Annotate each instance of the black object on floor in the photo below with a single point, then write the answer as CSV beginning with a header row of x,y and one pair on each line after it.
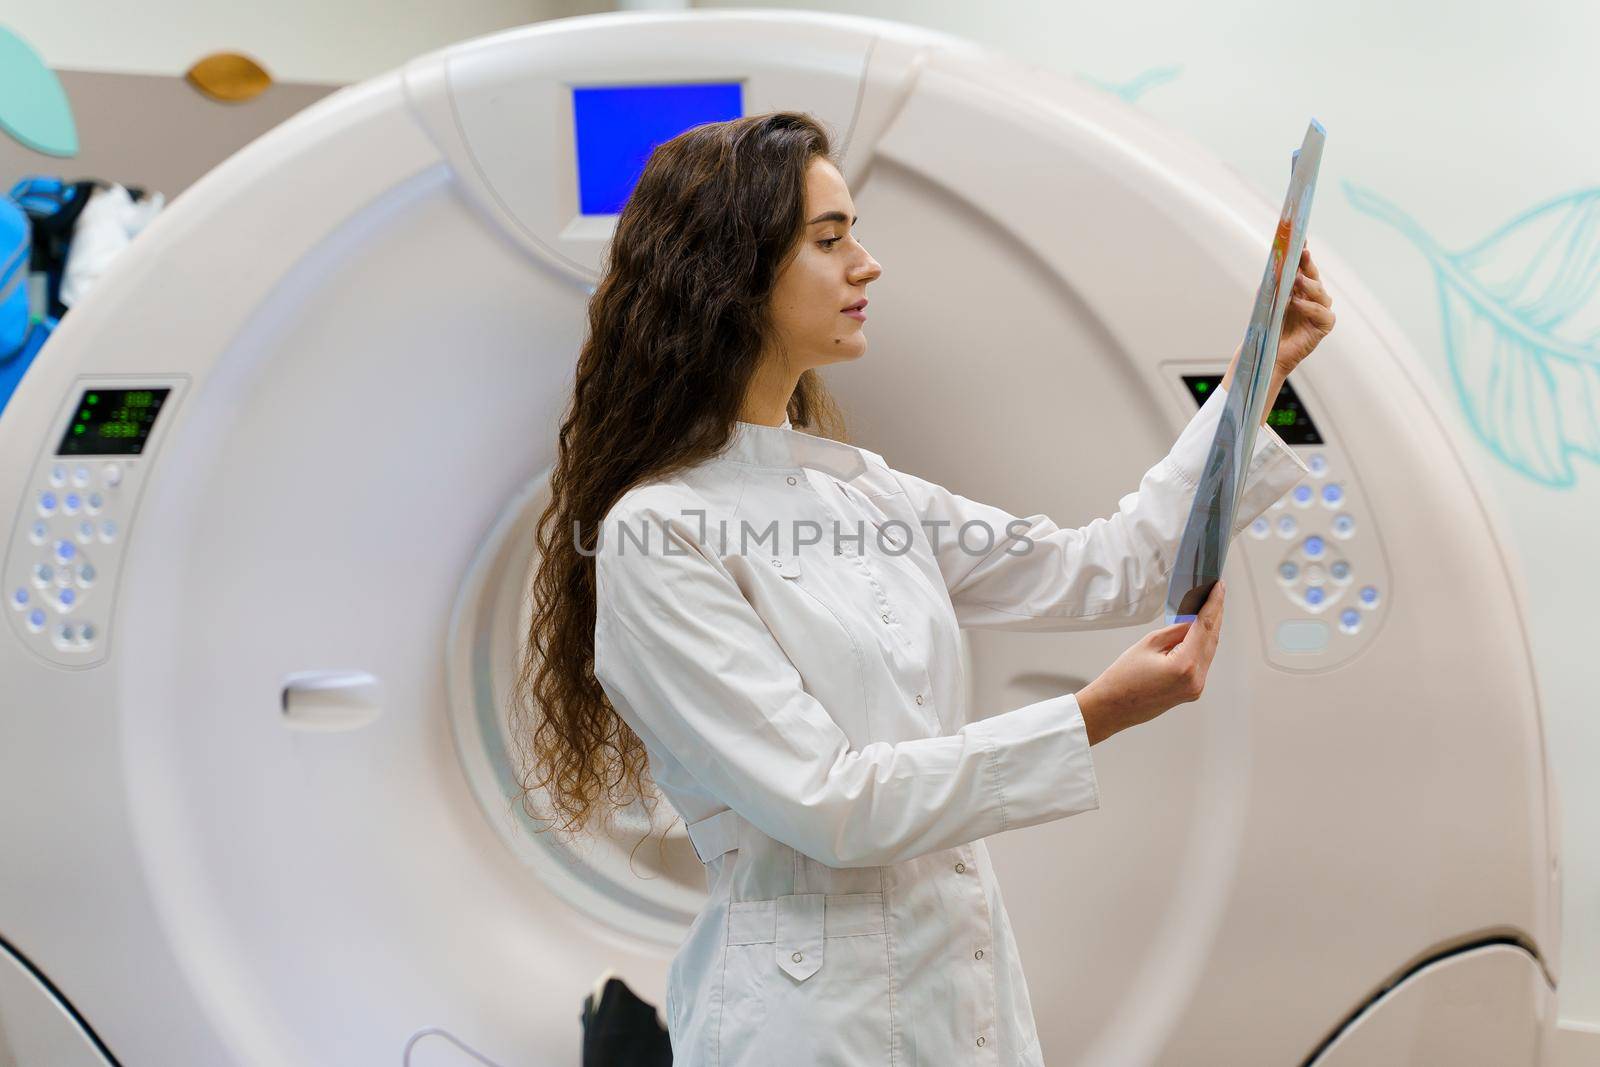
x,y
621,1030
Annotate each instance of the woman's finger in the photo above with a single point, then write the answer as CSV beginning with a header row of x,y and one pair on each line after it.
x,y
1307,264
1209,625
1168,637
1314,289
1209,612
1320,314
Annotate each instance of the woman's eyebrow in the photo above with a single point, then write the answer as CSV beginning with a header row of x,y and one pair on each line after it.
x,y
832,216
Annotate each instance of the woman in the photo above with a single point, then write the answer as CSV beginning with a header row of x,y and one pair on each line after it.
x,y
765,622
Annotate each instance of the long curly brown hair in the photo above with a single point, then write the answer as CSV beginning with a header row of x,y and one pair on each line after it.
x,y
677,328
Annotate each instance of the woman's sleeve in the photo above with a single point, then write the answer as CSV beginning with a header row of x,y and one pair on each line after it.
x,y
1112,572
689,664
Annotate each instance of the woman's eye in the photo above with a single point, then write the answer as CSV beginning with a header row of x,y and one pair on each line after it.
x,y
830,242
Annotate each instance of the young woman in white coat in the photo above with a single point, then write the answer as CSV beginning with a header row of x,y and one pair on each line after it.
x,y
761,620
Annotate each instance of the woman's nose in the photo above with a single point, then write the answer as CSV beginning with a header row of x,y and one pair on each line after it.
x,y
867,270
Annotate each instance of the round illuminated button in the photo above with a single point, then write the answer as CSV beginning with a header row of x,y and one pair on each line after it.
x,y
47,503
86,632
1332,494
58,476
65,550
19,599
43,573
1340,571
85,532
40,533
67,598
1260,528
36,619
96,502
71,503
108,531
1315,596
86,574
1313,547
1343,525
80,476
1288,570
1318,464
111,474
66,633
1369,595
1350,620
1287,526
1302,495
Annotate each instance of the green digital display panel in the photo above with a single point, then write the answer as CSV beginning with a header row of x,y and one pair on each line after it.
x,y
1288,418
112,422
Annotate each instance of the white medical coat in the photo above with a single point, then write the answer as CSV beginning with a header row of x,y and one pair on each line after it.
x,y
803,709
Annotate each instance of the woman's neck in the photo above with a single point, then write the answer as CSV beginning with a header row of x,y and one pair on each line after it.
x,y
766,401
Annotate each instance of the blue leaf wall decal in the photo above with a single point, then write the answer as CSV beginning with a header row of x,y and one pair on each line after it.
x,y
1522,329
33,105
1140,83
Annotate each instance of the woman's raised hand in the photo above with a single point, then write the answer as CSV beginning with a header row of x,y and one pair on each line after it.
x,y
1308,319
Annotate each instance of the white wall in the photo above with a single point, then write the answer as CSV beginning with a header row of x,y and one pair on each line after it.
x,y
320,41
1465,114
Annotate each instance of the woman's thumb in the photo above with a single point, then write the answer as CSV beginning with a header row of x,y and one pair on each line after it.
x,y
1168,636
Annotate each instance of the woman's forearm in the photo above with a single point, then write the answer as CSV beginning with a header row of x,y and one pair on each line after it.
x,y
1096,719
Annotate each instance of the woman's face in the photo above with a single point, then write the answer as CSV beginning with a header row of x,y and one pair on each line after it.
x,y
829,273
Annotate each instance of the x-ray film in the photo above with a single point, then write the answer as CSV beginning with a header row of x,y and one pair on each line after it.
x,y
1204,548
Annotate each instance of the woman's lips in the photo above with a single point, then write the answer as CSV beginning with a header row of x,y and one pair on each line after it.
x,y
859,316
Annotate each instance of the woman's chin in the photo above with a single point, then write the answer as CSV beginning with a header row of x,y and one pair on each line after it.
x,y
850,346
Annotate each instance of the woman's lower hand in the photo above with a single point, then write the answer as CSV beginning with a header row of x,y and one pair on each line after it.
x,y
1163,669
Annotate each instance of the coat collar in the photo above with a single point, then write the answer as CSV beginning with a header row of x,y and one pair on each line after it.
x,y
786,448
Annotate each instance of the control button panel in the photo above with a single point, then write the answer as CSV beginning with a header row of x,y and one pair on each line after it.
x,y
1318,571
1323,562
67,540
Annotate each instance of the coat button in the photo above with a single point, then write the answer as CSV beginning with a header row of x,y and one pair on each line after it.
x,y
886,616
791,479
919,698
777,563
961,868
980,1042
978,955
798,956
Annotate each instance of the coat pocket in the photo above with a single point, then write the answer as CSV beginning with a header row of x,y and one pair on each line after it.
x,y
798,934
806,980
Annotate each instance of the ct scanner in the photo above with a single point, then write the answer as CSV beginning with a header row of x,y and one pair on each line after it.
x,y
261,617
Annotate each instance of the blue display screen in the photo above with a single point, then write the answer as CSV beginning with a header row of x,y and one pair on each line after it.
x,y
618,127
